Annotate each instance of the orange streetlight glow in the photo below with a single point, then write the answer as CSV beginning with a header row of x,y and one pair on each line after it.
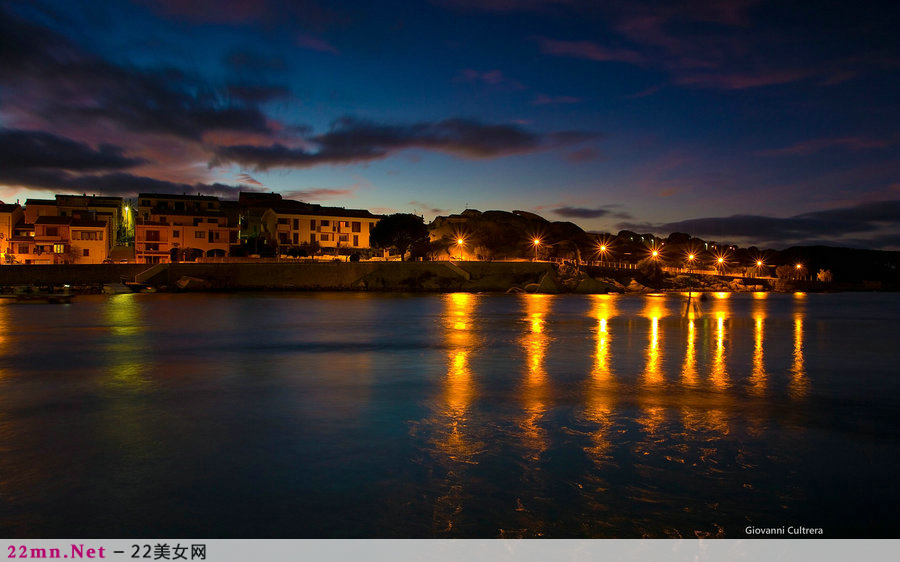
x,y
721,260
537,241
459,241
758,263
655,253
799,265
690,257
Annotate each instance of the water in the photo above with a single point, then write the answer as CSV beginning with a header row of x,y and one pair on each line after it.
x,y
379,415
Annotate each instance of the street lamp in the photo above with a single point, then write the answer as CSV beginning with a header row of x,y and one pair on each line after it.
x,y
537,243
459,244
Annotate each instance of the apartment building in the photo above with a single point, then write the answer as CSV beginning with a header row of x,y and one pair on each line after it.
x,y
292,223
181,228
59,240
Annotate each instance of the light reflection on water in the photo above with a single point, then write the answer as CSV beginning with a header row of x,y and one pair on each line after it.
x,y
445,415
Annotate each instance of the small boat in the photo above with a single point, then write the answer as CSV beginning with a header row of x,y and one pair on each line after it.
x,y
41,295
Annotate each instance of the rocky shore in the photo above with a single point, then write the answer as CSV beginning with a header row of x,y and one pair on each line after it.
x,y
441,276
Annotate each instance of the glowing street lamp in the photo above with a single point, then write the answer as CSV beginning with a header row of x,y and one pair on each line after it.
x,y
603,250
537,243
459,244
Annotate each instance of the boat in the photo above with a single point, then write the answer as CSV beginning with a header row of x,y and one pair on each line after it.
x,y
30,294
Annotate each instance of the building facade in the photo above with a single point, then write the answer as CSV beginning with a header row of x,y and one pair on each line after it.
x,y
293,224
181,228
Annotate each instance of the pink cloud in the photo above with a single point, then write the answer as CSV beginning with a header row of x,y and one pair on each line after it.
x,y
247,179
590,50
542,99
740,81
643,93
316,44
803,148
493,77
582,155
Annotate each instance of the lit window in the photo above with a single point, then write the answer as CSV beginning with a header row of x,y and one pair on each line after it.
x,y
59,248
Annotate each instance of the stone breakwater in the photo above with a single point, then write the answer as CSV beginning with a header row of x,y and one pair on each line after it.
x,y
530,277
372,276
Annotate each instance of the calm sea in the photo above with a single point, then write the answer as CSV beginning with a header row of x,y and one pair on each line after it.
x,y
458,415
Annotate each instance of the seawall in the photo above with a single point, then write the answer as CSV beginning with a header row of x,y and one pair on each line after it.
x,y
371,276
71,274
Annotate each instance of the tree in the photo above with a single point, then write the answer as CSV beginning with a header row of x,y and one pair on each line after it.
x,y
825,276
400,231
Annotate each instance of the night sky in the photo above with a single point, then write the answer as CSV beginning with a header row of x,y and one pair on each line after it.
x,y
767,123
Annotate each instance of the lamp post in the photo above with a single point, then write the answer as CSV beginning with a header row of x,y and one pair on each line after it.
x,y
537,243
459,246
602,252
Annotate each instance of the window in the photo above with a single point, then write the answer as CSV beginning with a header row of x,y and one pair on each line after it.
x,y
85,252
312,224
326,237
23,248
326,223
296,224
199,234
284,221
344,238
51,231
59,248
356,239
151,247
356,226
176,234
152,236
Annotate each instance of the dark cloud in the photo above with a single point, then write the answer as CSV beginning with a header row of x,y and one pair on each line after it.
x,y
20,150
354,140
880,220
115,184
586,213
46,75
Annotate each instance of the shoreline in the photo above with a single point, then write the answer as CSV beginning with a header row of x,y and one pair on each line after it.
x,y
428,277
